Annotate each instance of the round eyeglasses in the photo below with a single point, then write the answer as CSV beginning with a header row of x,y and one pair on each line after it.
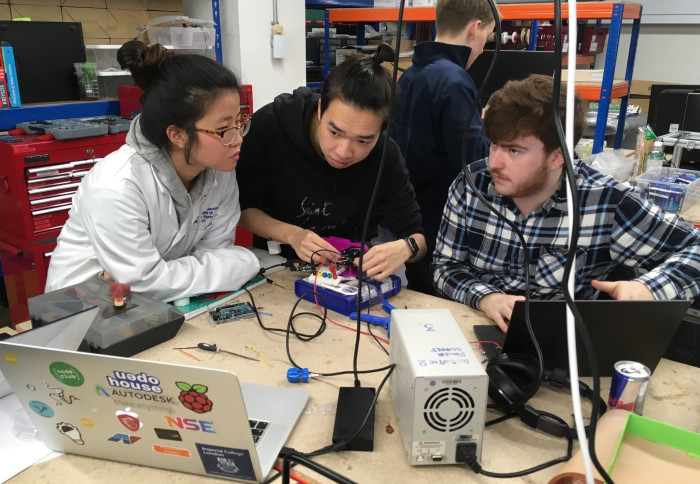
x,y
229,134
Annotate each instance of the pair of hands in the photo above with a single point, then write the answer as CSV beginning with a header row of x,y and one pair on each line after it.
x,y
378,262
499,307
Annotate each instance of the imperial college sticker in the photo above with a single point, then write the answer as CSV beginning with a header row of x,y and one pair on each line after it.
x,y
227,462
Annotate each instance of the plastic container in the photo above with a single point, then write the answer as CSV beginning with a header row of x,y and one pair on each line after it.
x,y
88,84
341,299
144,322
104,57
109,82
672,189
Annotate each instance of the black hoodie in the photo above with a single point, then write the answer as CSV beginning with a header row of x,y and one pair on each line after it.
x,y
280,173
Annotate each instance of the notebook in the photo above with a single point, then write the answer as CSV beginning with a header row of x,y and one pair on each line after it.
x,y
619,330
66,334
196,420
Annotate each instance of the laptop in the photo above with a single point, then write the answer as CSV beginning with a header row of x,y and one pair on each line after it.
x,y
196,420
619,330
65,334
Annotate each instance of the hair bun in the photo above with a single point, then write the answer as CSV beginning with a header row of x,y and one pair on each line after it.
x,y
144,61
384,53
131,54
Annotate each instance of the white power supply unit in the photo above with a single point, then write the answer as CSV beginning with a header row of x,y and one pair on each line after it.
x,y
438,387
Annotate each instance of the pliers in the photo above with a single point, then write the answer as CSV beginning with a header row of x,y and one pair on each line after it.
x,y
383,321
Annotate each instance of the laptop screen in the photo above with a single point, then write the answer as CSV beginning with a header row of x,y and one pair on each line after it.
x,y
619,330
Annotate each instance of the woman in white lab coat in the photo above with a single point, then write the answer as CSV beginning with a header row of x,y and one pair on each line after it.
x,y
160,213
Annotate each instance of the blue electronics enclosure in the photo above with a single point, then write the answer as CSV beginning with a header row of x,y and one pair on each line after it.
x,y
341,297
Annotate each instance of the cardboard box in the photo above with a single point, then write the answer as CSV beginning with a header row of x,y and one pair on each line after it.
x,y
404,63
127,4
585,76
642,88
124,24
166,6
406,44
5,12
53,3
94,20
37,13
83,3
100,41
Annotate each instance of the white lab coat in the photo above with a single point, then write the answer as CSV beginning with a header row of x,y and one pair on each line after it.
x,y
133,218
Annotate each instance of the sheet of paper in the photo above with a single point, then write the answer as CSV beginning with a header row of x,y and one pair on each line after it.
x,y
17,454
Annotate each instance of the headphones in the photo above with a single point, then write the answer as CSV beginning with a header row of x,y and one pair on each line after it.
x,y
513,379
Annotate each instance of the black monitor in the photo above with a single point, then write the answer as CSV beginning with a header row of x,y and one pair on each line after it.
x,y
510,65
667,106
691,118
44,56
667,113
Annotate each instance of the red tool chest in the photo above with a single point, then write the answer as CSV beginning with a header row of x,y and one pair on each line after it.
x,y
37,183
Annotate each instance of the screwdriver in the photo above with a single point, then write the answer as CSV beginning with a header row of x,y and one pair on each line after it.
x,y
216,349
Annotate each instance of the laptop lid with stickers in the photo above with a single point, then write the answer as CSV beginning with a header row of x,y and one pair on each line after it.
x,y
65,334
149,413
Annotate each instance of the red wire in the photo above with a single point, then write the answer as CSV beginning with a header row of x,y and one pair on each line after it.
x,y
489,342
318,306
296,478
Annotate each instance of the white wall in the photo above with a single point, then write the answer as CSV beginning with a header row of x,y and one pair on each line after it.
x,y
246,34
665,53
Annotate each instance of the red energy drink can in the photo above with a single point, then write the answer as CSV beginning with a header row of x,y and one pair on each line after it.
x,y
629,386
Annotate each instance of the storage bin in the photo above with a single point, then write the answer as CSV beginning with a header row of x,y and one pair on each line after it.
x,y
673,189
193,37
109,83
104,57
144,322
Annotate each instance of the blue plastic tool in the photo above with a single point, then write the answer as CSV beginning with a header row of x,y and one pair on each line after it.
x,y
383,321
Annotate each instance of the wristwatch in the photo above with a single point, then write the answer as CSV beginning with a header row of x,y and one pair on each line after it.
x,y
413,245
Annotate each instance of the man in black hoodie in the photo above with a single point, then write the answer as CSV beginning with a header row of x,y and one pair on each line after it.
x,y
310,162
437,95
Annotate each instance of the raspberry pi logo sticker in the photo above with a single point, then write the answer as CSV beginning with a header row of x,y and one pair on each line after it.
x,y
194,397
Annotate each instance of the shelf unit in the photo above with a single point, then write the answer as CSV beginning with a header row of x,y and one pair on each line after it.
x,y
615,12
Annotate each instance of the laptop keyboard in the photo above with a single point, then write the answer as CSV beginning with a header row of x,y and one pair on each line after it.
x,y
258,427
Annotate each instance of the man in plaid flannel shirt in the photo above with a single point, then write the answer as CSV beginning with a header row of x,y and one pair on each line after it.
x,y
478,259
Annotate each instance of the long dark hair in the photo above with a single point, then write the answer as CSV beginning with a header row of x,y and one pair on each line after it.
x,y
178,89
361,81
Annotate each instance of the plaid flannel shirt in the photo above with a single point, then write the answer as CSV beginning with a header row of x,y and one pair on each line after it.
x,y
477,254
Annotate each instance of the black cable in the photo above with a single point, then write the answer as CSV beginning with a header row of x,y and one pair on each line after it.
x,y
467,455
516,230
500,419
571,180
263,270
369,329
370,206
323,470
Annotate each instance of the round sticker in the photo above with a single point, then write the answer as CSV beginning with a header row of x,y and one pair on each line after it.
x,y
40,408
66,374
10,358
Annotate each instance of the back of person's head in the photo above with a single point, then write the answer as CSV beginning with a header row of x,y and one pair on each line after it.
x,y
524,108
452,16
178,89
362,82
